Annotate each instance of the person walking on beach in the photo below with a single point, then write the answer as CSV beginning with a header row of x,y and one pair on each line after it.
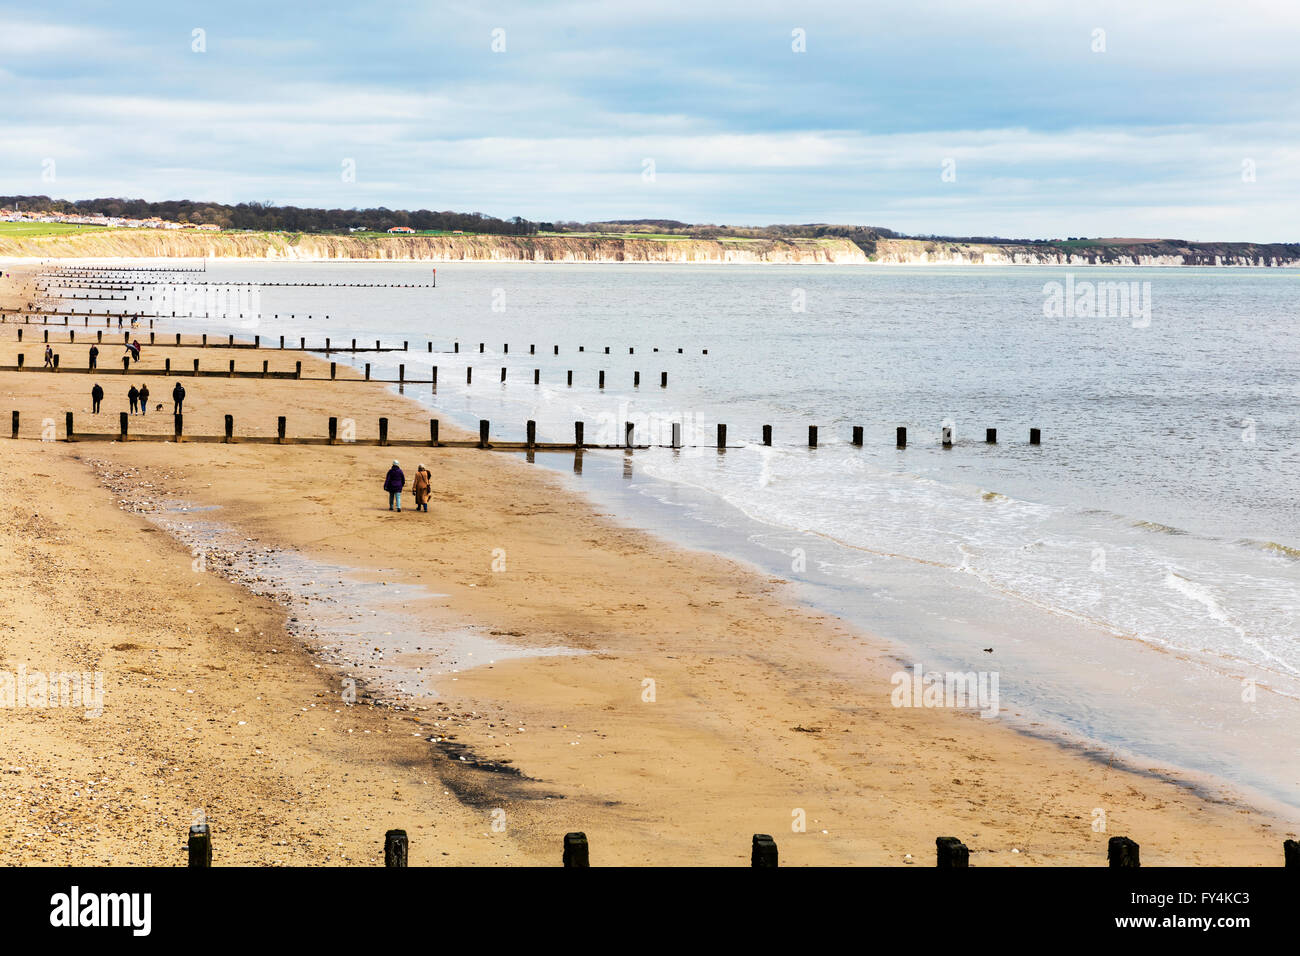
x,y
94,357
134,397
135,349
178,398
96,396
422,487
144,399
393,484
49,356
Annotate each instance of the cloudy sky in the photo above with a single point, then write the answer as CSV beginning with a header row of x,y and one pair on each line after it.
x,y
1021,118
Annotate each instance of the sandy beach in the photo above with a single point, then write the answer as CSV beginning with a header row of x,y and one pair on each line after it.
x,y
700,702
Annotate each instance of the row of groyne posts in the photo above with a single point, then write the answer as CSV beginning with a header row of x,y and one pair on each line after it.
x,y
530,443
950,852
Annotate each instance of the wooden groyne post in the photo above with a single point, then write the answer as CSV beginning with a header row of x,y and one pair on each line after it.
x,y
763,853
200,846
576,851
951,853
396,848
1122,852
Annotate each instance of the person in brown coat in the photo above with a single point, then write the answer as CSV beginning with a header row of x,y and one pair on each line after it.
x,y
422,488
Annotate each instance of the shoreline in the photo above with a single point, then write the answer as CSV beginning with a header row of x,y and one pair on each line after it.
x,y
764,706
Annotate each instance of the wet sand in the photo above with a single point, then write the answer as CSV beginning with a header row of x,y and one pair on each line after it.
x,y
763,713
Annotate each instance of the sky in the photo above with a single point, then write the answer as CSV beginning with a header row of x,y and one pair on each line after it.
x,y
1024,119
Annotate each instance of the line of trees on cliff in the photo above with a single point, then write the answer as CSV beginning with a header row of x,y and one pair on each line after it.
x,y
268,217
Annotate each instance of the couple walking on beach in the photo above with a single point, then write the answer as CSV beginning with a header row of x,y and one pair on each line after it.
x,y
138,397
395,481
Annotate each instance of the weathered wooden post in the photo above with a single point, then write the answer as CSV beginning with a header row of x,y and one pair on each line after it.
x,y
433,431
15,431
576,851
503,373
126,363
327,345
531,430
677,435
280,429
178,338
812,436
383,431
663,379
178,429
1290,851
537,376
200,847
334,431
577,431
952,853
167,366
636,379
205,339
990,436
602,378
455,347
282,342
946,436
483,433
767,435
557,350
469,374
367,371
231,373
122,420
396,847
297,369
434,378
266,367
67,424
763,853
20,335
401,374
857,435
333,370
628,428
902,437
1035,436
570,377
480,348
505,349
354,345
196,366
722,437
230,428
1122,852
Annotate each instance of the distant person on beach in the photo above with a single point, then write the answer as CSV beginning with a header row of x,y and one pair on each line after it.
x,y
134,397
178,398
393,484
49,356
119,321
94,356
96,396
144,399
422,486
135,349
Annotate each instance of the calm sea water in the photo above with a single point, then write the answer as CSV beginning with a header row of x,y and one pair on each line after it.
x,y
1142,566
